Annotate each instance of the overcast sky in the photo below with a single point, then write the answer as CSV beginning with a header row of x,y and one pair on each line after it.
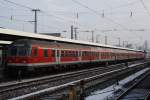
x,y
122,18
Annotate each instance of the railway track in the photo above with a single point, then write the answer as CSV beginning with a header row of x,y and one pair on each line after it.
x,y
13,89
139,90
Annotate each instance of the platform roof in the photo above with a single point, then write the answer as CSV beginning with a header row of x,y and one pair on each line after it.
x,y
12,35
5,42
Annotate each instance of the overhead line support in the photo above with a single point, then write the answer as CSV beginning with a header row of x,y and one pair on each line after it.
x,y
35,19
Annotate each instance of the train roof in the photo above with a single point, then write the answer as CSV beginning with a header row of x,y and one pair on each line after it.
x,y
20,34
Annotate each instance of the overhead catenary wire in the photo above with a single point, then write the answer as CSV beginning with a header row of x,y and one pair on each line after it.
x,y
13,19
98,14
10,8
48,14
119,6
23,6
42,11
61,18
145,7
18,4
18,20
126,5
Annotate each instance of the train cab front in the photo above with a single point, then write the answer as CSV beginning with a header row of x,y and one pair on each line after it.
x,y
17,57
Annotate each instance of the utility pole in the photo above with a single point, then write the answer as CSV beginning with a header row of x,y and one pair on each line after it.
x,y
75,31
105,40
35,19
103,15
119,41
71,31
123,43
97,38
145,45
92,36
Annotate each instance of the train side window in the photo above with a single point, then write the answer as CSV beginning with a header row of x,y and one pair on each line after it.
x,y
76,54
97,54
53,53
72,53
45,52
67,54
87,53
63,53
90,53
82,53
35,52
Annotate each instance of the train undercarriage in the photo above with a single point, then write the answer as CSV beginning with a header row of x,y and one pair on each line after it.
x,y
15,71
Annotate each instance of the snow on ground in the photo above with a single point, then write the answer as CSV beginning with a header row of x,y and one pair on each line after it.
x,y
108,92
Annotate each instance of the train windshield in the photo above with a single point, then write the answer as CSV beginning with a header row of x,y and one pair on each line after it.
x,y
18,51
22,52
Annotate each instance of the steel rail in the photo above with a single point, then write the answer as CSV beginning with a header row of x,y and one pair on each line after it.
x,y
51,80
56,88
132,87
39,81
63,86
147,96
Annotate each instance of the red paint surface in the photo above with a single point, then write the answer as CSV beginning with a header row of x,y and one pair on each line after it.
x,y
103,55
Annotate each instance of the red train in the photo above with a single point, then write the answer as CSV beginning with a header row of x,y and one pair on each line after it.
x,y
28,54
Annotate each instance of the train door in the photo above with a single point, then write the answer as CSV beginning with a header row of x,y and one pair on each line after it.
x,y
79,56
57,53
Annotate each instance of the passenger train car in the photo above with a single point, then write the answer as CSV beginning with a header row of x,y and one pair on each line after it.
x,y
27,54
